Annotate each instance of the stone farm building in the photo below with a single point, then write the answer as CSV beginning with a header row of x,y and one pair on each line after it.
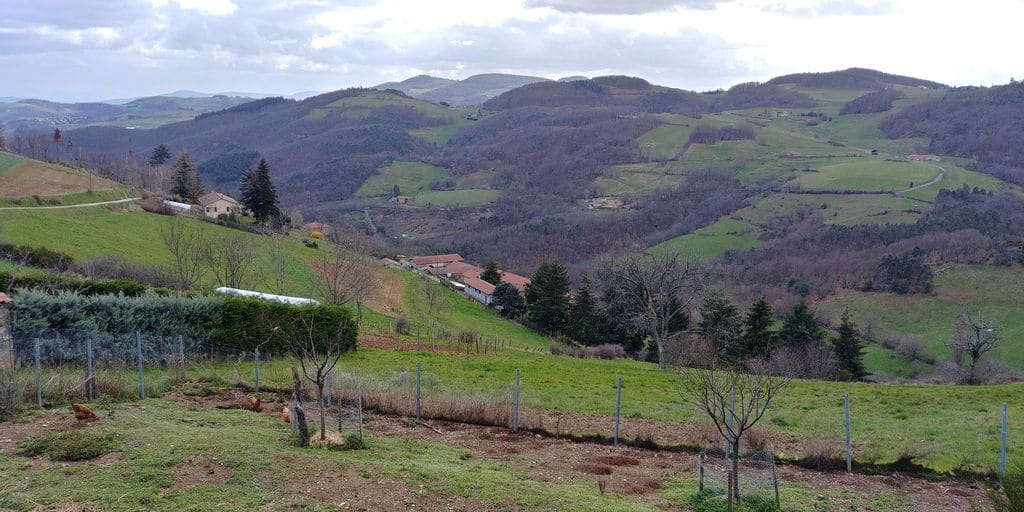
x,y
215,203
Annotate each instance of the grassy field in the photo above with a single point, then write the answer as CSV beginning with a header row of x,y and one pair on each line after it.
x,y
868,174
172,456
942,427
995,291
22,178
841,209
8,161
710,241
666,140
639,179
89,232
456,198
411,178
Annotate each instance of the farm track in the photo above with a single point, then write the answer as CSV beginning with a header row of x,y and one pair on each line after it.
x,y
65,206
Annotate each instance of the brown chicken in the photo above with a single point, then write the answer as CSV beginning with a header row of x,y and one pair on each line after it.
x,y
83,413
255,404
285,415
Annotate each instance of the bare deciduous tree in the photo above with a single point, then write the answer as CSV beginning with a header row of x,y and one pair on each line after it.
x,y
344,277
659,290
974,337
712,390
433,294
231,259
317,339
278,264
186,242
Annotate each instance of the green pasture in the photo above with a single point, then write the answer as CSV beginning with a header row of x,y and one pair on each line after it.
x,y
411,178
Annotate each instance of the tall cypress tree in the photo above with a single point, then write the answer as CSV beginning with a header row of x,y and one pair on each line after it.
x,y
259,194
546,297
509,301
720,322
850,349
160,155
801,327
491,273
757,335
186,181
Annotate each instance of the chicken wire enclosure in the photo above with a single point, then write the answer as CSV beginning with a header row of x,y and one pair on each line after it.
x,y
347,396
61,365
757,474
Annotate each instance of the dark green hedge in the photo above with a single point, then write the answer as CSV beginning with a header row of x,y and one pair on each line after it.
x,y
222,321
82,286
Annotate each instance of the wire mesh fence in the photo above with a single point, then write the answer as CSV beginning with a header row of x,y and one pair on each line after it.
x,y
756,478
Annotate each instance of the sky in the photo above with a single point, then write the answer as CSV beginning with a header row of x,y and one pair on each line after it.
x,y
77,50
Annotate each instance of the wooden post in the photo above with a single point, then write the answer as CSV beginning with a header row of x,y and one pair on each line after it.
x,y
359,403
297,412
700,472
6,340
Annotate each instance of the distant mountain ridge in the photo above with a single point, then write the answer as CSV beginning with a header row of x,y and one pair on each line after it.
x,y
853,78
474,90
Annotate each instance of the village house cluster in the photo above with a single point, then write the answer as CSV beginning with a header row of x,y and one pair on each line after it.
x,y
454,272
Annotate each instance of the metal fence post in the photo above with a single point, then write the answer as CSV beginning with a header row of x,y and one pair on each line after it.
x,y
846,421
418,374
618,409
256,362
39,377
700,472
91,376
138,348
515,413
181,357
359,403
1002,445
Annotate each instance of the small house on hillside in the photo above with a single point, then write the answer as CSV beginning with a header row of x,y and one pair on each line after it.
x,y
400,200
215,204
924,158
479,290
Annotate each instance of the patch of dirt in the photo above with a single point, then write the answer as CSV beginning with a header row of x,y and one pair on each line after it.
x,y
389,298
34,178
13,433
201,470
616,460
365,489
594,469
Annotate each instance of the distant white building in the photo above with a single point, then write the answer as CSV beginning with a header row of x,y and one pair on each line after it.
x,y
295,301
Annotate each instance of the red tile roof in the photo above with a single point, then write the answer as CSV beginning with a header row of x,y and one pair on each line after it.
x,y
5,299
216,196
479,284
464,269
516,280
439,259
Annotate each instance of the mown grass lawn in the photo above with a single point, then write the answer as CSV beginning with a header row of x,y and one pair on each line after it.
x,y
710,241
410,177
868,174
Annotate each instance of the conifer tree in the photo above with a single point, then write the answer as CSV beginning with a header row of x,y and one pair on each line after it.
x,y
583,316
547,297
509,301
259,195
801,327
720,322
491,273
159,156
850,349
186,180
757,335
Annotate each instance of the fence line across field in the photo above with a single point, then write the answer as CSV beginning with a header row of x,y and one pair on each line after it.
x,y
63,353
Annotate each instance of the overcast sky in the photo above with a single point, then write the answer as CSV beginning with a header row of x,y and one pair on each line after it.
x,y
102,49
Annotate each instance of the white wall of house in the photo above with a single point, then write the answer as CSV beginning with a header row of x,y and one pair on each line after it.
x,y
479,295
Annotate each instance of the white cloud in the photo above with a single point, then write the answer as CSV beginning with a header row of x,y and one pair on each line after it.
x,y
209,7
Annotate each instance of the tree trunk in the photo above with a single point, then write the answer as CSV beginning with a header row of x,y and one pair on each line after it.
x,y
320,397
735,491
359,311
298,414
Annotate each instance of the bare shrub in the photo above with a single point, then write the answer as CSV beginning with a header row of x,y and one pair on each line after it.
x,y
109,266
12,392
403,325
996,372
154,204
756,440
562,347
820,452
690,351
816,361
